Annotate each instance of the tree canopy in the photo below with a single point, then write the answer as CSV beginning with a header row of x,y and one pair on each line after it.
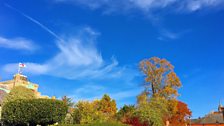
x,y
160,78
181,116
107,105
98,110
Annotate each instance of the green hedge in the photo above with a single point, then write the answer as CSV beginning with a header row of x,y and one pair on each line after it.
x,y
33,112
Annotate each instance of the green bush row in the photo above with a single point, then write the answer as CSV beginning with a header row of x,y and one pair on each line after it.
x,y
33,112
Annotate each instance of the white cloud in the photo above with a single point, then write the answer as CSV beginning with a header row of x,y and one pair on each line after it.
x,y
32,67
165,34
91,89
194,5
150,4
126,94
118,5
78,58
92,92
150,8
146,5
18,44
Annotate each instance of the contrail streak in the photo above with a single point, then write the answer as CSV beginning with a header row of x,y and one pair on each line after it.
x,y
35,21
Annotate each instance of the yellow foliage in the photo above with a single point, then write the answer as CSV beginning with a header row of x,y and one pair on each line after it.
x,y
160,78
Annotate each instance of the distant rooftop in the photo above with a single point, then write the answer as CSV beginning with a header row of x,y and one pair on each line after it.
x,y
211,118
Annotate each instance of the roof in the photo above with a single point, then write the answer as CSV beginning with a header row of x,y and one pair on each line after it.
x,y
210,119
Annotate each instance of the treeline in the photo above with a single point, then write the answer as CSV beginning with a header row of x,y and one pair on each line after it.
x,y
157,105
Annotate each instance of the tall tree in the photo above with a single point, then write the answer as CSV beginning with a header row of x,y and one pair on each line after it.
x,y
158,102
160,78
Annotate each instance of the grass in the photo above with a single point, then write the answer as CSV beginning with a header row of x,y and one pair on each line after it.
x,y
98,124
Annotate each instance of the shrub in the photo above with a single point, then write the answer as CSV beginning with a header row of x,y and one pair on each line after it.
x,y
19,92
33,112
125,113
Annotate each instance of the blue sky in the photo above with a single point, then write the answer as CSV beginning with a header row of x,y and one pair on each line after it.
x,y
85,48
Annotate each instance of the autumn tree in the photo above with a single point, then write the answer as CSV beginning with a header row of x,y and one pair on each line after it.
x,y
107,106
142,98
67,101
160,78
181,117
158,101
153,111
19,92
86,112
125,113
70,104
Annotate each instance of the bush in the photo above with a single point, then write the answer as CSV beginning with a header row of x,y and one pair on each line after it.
x,y
125,113
19,92
33,112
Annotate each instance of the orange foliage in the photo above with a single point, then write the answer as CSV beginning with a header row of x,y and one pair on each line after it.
x,y
107,105
181,117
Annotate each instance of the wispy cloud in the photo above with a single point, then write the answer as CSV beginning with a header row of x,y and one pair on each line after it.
x,y
146,5
18,44
126,94
121,5
194,5
33,68
78,58
165,34
92,92
152,9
